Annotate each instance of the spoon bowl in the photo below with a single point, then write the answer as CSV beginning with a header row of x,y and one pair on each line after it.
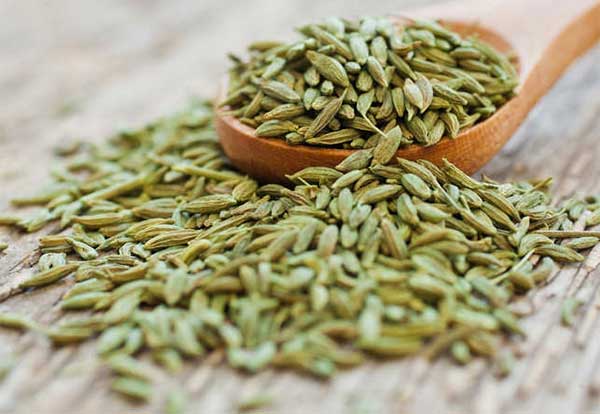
x,y
543,48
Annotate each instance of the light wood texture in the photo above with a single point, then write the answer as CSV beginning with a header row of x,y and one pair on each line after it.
x,y
545,38
81,68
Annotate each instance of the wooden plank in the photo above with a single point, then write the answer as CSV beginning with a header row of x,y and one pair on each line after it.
x,y
81,68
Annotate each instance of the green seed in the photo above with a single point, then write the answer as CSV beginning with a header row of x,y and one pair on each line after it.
x,y
377,256
132,388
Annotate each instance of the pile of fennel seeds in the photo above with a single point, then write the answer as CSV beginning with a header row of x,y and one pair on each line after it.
x,y
174,255
345,82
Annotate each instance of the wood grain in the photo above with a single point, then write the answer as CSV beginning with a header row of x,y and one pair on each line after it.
x,y
79,69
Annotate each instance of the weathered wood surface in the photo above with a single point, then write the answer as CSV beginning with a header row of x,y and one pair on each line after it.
x,y
75,68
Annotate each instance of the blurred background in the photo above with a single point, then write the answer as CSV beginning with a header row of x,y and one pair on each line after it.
x,y
60,57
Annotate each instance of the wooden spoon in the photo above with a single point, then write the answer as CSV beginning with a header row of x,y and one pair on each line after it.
x,y
546,36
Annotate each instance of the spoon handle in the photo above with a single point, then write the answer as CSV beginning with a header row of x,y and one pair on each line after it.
x,y
545,35
534,28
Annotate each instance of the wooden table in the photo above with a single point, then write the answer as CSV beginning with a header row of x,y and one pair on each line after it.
x,y
81,69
